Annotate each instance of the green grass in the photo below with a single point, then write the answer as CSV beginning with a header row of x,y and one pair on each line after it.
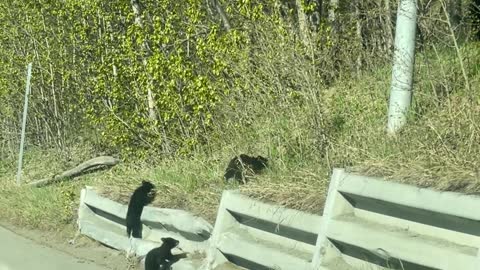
x,y
305,132
193,184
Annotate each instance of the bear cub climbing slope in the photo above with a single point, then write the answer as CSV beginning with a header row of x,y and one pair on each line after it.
x,y
141,197
243,166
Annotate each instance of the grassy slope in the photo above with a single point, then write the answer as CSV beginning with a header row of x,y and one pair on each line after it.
x,y
439,148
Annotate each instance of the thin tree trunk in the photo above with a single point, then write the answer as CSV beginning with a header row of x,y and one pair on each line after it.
x,y
316,16
388,26
332,10
223,16
455,12
302,23
475,13
332,14
137,10
359,35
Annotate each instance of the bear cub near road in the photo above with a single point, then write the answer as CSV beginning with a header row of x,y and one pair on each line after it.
x,y
141,197
161,258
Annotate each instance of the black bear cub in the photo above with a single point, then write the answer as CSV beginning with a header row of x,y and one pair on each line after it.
x,y
141,197
161,257
240,167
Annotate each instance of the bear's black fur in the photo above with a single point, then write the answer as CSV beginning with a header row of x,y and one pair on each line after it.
x,y
241,166
161,257
142,196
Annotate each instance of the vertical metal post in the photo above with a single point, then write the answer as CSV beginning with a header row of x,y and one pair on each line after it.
x,y
24,123
403,62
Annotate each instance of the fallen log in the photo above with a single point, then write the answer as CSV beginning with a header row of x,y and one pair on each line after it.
x,y
91,165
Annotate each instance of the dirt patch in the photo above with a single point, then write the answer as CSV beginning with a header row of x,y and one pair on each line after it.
x,y
83,249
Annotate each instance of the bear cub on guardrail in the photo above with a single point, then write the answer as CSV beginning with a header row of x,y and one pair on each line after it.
x,y
141,197
161,258
240,167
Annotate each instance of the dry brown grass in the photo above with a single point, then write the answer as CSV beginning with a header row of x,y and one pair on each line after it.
x,y
302,191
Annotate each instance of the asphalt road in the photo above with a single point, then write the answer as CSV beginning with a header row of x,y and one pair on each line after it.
x,y
18,253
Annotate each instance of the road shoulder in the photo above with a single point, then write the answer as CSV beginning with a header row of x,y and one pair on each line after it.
x,y
84,250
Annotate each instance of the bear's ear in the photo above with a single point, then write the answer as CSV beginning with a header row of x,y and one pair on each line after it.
x,y
146,183
163,239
